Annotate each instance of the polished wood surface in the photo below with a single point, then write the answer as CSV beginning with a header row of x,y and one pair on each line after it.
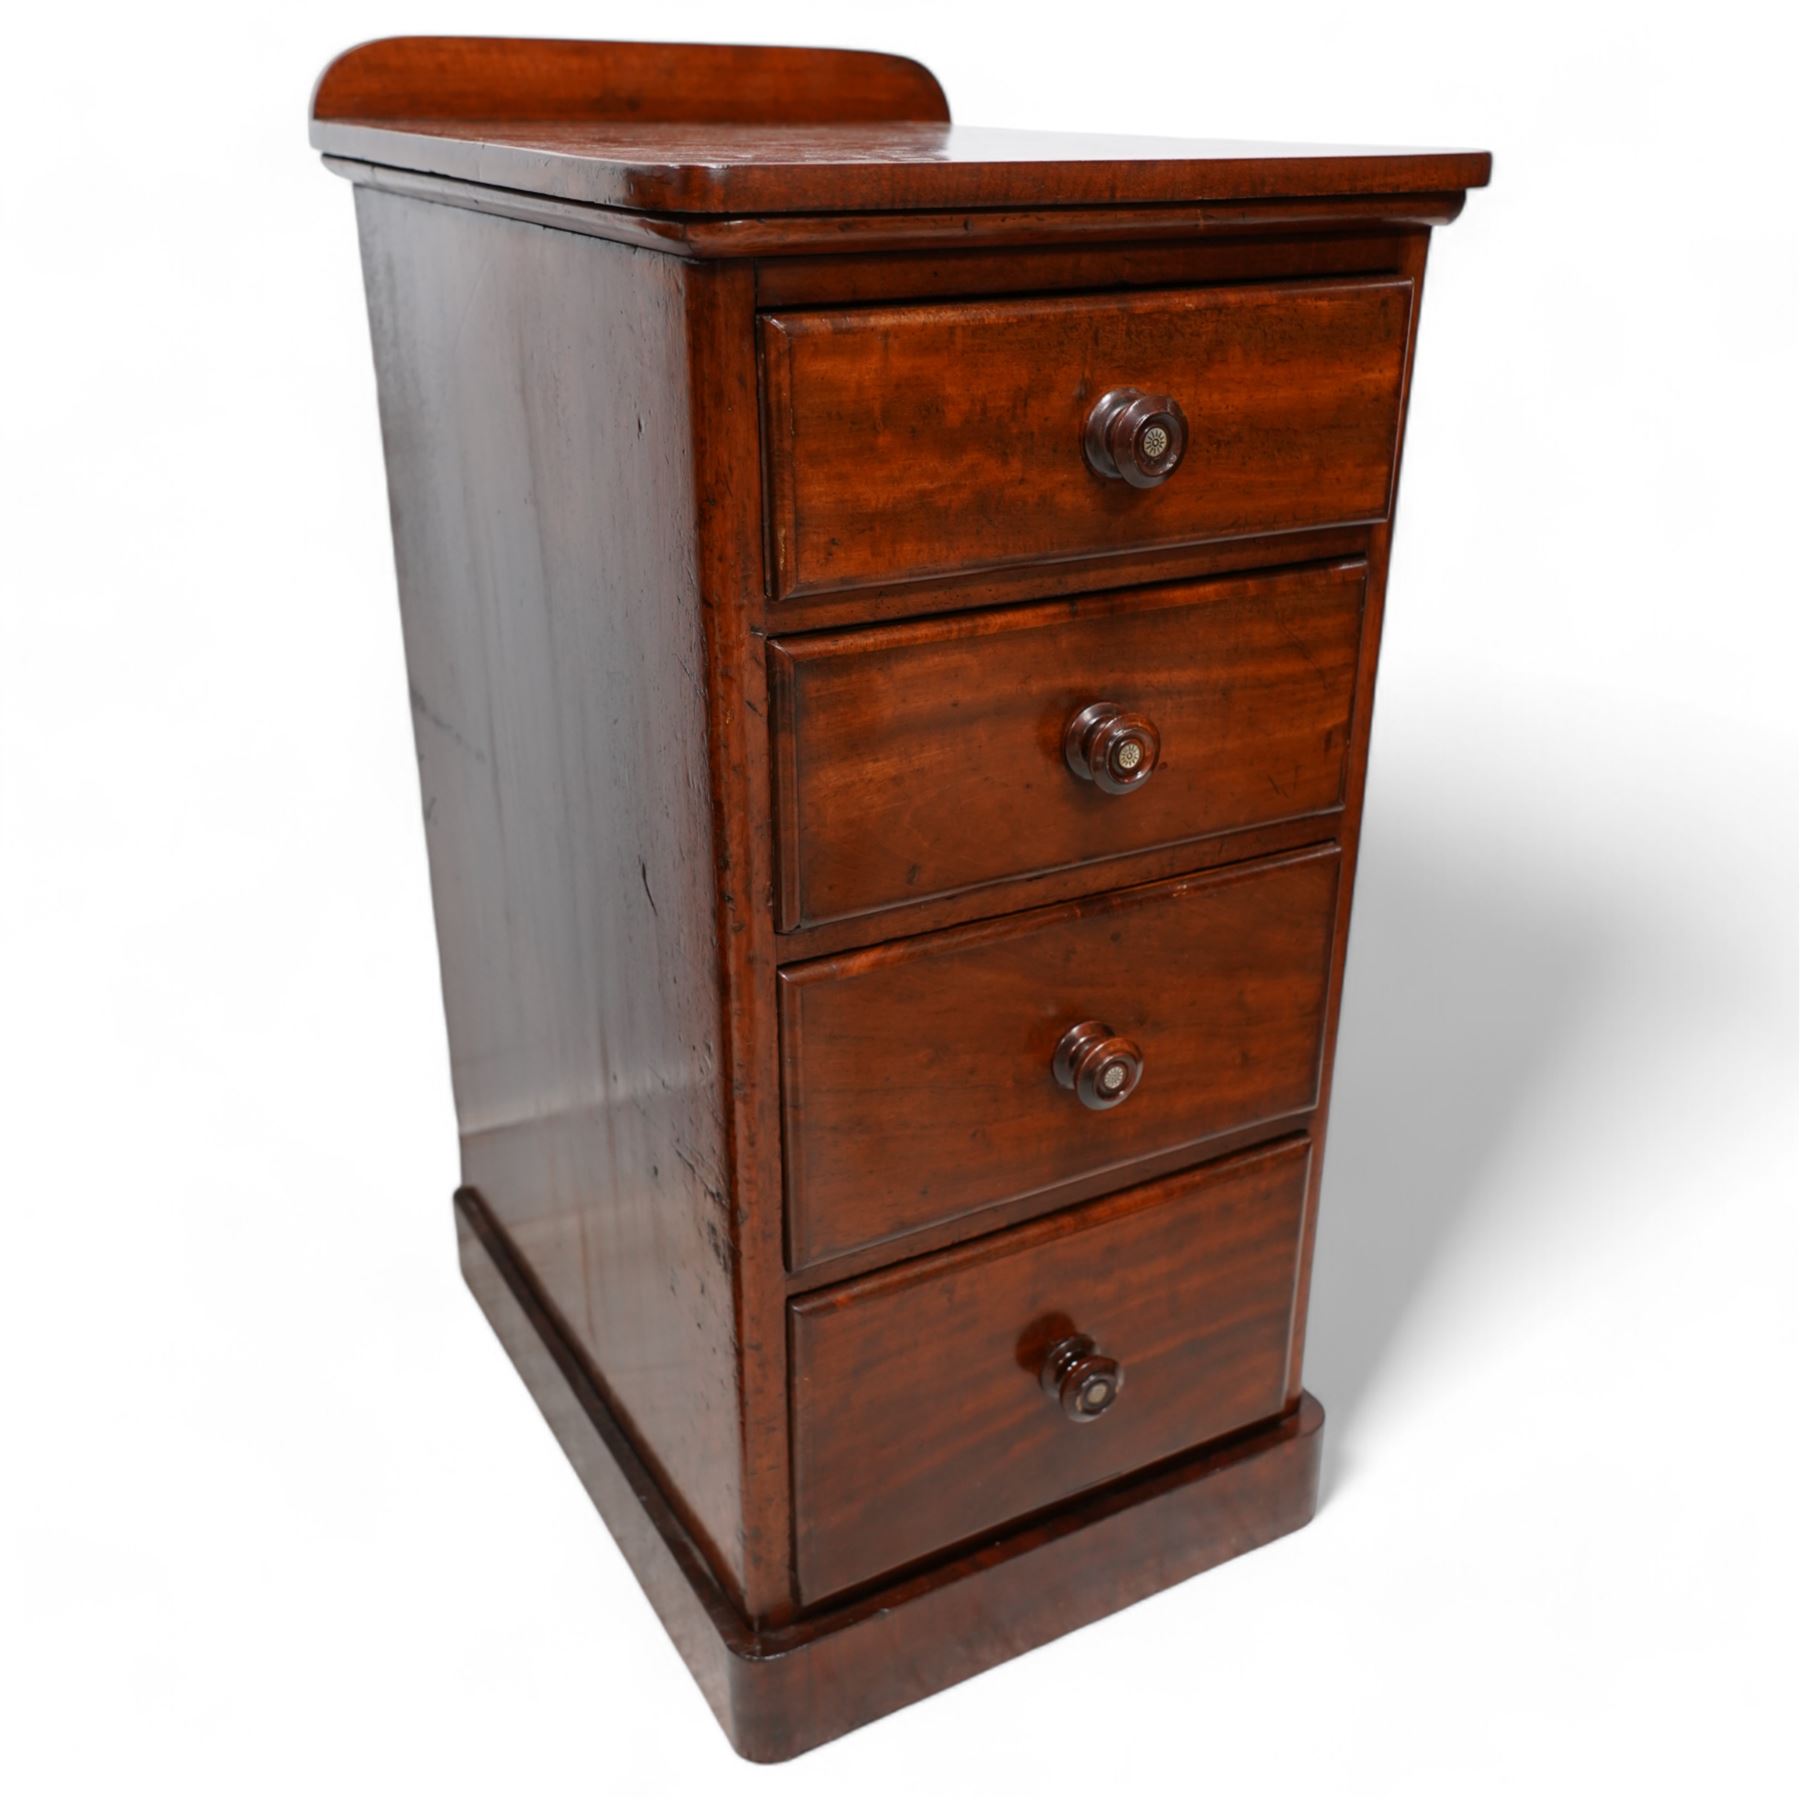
x,y
1115,749
1099,1066
706,236
1134,437
892,615
918,1081
1081,1378
780,1690
545,80
928,440
920,1419
723,435
579,956
925,759
707,167
1153,254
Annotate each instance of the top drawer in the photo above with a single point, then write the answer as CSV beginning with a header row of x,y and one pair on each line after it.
x,y
919,441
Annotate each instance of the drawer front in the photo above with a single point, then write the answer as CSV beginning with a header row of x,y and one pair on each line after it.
x,y
919,1079
908,442
921,1413
925,759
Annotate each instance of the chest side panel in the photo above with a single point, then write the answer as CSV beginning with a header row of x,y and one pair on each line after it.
x,y
534,397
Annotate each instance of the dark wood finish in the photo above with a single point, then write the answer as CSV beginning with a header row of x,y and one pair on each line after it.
x,y
722,432
604,281
887,455
920,1418
1136,438
928,759
579,965
943,595
1134,257
1081,1378
703,236
780,1691
484,81
1098,1065
949,1233
699,166
918,1079
1118,751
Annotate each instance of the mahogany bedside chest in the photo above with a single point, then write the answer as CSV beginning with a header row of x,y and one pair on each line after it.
x,y
891,612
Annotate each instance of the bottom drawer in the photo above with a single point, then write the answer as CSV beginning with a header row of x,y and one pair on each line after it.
x,y
923,1414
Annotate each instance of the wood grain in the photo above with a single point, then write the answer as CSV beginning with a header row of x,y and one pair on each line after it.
x,y
1184,258
752,570
711,237
936,439
919,1419
917,1082
723,433
779,1691
540,80
923,760
779,167
568,815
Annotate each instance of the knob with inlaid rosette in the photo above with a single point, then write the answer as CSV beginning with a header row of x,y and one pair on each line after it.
x,y
1082,1381
1135,437
1097,1065
1114,749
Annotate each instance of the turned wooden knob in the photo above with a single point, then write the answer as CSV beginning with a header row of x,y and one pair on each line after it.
x,y
1136,438
1100,1067
1080,1380
1114,749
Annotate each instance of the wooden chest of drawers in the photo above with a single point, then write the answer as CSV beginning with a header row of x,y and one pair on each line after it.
x,y
891,614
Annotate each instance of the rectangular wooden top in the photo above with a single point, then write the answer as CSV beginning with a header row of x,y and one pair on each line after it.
x,y
879,167
724,130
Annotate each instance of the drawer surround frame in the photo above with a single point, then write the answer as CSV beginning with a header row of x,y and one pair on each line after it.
x,y
779,1678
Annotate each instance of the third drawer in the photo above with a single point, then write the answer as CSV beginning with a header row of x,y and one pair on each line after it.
x,y
919,1079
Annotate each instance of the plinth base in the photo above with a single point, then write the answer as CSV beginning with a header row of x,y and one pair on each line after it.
x,y
780,1692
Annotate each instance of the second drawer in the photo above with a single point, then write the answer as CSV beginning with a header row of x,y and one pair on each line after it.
x,y
925,759
920,1080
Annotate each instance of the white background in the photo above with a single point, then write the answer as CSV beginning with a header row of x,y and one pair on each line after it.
x,y
279,1518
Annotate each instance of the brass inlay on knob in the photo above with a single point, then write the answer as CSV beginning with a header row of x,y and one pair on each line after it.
x,y
1135,437
1114,749
1101,1068
1082,1381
